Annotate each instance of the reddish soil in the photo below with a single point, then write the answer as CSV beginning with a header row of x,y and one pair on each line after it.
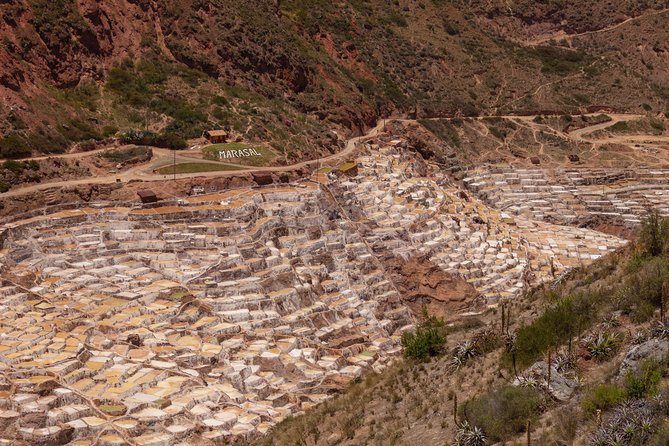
x,y
422,283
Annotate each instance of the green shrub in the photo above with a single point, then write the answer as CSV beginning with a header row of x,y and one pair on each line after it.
x,y
147,138
86,94
47,143
643,288
427,340
109,130
450,28
56,21
13,146
442,129
603,397
657,125
13,166
559,322
498,133
651,279
558,60
120,156
4,187
220,100
78,130
503,413
644,382
621,126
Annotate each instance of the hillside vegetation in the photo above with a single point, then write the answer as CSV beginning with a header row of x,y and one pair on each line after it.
x,y
288,72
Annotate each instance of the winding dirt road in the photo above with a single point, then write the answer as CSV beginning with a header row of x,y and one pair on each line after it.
x,y
165,157
561,35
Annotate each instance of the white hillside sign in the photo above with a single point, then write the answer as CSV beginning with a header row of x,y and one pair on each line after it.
x,y
241,153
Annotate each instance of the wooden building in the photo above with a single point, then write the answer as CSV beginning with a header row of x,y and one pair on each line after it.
x,y
216,136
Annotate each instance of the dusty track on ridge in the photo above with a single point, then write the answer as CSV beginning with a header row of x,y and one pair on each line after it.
x,y
165,157
562,35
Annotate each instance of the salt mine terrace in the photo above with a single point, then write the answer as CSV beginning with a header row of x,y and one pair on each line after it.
x,y
565,195
215,317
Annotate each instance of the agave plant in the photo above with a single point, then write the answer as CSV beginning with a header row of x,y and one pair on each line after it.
x,y
465,350
631,423
611,322
468,435
565,362
629,429
462,353
476,437
661,330
460,438
639,337
603,345
527,381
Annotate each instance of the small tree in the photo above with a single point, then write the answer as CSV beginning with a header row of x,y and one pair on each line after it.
x,y
427,340
654,234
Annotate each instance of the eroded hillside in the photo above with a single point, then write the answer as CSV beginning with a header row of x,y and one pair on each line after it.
x,y
289,72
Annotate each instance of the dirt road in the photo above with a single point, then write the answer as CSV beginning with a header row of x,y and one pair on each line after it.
x,y
561,35
165,157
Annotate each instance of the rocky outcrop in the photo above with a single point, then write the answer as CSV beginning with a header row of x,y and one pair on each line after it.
x,y
422,283
561,387
654,348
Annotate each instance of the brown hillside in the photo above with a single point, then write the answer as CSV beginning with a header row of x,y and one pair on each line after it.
x,y
288,72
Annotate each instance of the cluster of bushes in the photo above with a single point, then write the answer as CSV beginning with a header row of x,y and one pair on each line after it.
x,y
14,146
503,413
17,145
635,421
427,340
638,294
18,167
566,318
483,341
621,126
164,140
443,130
639,384
120,156
56,20
500,128
558,60
142,85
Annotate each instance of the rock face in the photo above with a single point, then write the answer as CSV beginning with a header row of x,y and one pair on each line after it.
x,y
651,349
421,282
561,387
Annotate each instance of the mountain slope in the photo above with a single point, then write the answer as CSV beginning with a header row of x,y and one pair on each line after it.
x,y
290,71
